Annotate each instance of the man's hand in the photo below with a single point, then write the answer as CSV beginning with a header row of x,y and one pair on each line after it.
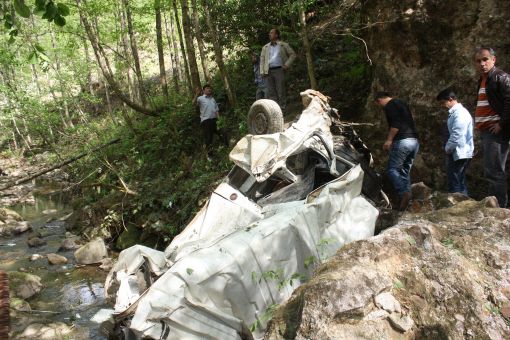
x,y
495,129
285,67
387,145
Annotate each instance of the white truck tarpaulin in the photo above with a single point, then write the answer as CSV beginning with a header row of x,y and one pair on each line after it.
x,y
219,283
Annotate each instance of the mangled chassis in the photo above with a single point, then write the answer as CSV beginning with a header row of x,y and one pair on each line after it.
x,y
290,202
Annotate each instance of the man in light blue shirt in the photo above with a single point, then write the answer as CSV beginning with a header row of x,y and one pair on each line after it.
x,y
209,113
459,147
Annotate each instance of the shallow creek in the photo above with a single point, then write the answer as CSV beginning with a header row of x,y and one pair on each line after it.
x,y
71,293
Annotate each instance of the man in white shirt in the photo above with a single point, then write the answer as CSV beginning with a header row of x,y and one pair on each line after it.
x,y
276,57
209,113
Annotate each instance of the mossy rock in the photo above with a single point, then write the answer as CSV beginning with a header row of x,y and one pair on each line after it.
x,y
8,214
129,237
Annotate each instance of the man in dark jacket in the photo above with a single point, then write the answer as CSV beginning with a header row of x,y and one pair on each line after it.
x,y
401,142
492,119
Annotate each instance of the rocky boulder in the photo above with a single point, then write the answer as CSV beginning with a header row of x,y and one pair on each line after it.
x,y
92,252
24,285
56,259
438,275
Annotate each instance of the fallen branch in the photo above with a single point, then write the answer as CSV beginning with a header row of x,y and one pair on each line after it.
x,y
58,166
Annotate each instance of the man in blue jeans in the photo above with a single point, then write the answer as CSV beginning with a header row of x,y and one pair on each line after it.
x,y
459,147
401,142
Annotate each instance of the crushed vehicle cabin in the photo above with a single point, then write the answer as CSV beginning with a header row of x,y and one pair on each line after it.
x,y
293,198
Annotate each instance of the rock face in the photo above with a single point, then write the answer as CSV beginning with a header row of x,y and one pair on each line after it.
x,y
92,252
420,47
437,275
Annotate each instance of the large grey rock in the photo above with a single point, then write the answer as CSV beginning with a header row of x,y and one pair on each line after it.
x,y
92,252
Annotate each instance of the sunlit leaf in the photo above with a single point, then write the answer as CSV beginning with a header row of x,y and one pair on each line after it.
x,y
21,8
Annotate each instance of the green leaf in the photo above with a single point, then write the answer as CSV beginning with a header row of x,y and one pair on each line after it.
x,y
59,21
40,3
39,48
21,8
189,271
32,57
43,57
51,11
63,10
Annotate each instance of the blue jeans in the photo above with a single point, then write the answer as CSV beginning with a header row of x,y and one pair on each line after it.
x,y
402,154
495,153
456,173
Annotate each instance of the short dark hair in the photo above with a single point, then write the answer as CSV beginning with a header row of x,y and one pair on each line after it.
x,y
447,94
206,86
277,31
381,94
486,48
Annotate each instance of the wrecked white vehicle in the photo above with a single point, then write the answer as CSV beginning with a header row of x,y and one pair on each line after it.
x,y
292,199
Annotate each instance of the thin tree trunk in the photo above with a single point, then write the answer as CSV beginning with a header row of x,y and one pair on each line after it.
x,y
104,65
134,51
161,56
306,45
200,42
125,46
183,49
59,76
190,48
176,72
218,54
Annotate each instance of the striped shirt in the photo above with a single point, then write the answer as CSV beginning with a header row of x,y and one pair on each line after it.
x,y
485,116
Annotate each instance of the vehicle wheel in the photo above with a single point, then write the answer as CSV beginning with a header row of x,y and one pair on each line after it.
x,y
265,116
4,306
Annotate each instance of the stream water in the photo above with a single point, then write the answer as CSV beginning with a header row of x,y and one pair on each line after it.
x,y
71,293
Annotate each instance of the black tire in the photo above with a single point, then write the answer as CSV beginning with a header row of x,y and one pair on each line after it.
x,y
4,306
265,116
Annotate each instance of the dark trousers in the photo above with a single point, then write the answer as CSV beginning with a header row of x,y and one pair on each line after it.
x,y
209,129
495,153
275,82
456,174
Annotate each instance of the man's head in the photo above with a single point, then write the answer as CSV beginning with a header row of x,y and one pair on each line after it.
x,y
207,89
485,58
274,34
254,58
447,98
382,98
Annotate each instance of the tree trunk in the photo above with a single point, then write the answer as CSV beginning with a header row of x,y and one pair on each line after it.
x,y
104,65
183,49
200,42
134,51
190,48
125,46
306,45
218,53
68,117
176,71
161,56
